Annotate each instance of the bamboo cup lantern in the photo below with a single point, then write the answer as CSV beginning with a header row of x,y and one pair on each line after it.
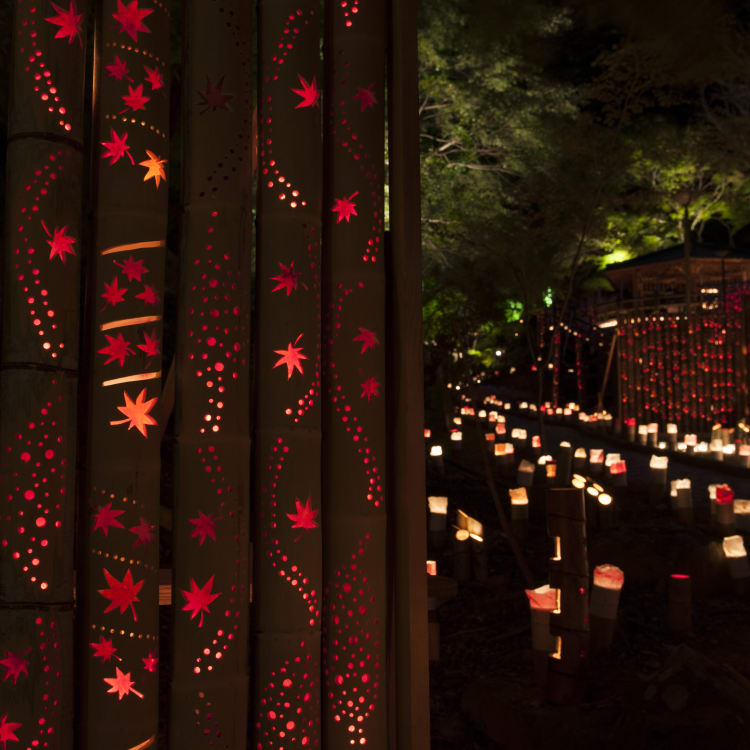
x,y
482,414
523,406
743,455
630,429
500,428
653,434
542,602
461,555
519,511
507,406
525,475
596,461
592,493
657,483
579,460
432,567
519,437
605,598
578,481
456,440
681,495
605,510
457,420
504,455
564,464
536,446
489,438
427,433
492,417
691,440
716,448
567,414
618,473
438,520
672,434
642,434
550,468
724,509
478,552
436,459
736,556
679,605
742,515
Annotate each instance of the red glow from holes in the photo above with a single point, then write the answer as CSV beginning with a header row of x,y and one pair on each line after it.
x,y
681,576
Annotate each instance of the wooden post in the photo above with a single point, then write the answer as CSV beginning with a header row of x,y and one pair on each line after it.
x,y
211,524
41,275
118,581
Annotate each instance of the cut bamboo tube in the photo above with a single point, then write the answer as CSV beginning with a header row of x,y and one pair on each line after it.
x,y
679,605
605,597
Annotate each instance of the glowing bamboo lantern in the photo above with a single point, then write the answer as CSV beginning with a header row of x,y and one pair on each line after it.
x,y
569,575
679,605
500,428
482,414
542,602
519,511
519,437
478,550
736,557
724,509
567,414
743,455
701,447
596,461
591,494
427,433
456,440
716,448
605,598
681,496
489,441
580,457
672,434
653,433
525,474
742,515
436,459
457,421
492,417
578,481
691,440
564,463
536,446
437,520
504,457
657,478
642,434
630,429
432,567
461,555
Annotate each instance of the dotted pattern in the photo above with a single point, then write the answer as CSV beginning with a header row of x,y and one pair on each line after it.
x,y
350,8
51,669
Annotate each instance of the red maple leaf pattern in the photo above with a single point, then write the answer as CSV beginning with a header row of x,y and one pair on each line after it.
x,y
370,388
345,208
132,269
130,17
144,532
104,650
106,517
148,295
121,684
8,731
149,662
69,22
114,294
291,357
135,98
15,665
304,518
137,412
199,598
153,76
117,148
367,338
213,97
117,349
309,93
366,97
150,344
122,594
60,244
205,526
287,279
118,69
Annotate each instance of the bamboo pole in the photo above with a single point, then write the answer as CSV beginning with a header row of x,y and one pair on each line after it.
x,y
406,412
354,450
209,680
41,274
287,461
119,556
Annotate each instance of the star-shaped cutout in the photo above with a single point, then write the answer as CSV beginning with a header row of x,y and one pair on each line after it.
x,y
104,650
345,208
291,357
199,598
370,388
106,517
366,97
122,594
117,349
117,69
309,92
150,345
113,293
205,526
121,684
304,518
137,412
132,269
117,147
69,22
8,731
15,665
148,295
60,244
130,17
150,662
155,167
213,97
144,532
287,279
135,98
367,338
153,76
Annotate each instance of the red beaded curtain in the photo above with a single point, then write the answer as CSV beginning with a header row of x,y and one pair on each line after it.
x,y
354,517
118,582
209,682
38,381
288,556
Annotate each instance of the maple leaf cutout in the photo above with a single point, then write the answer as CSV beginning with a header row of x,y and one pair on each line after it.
x,y
69,22
205,526
104,650
137,412
345,208
122,594
291,357
367,338
144,532
149,662
148,295
304,518
121,684
15,665
7,731
118,69
106,517
117,148
113,293
130,17
287,279
60,244
213,97
309,92
150,344
370,388
135,98
155,167
366,97
153,76
199,598
132,269
117,349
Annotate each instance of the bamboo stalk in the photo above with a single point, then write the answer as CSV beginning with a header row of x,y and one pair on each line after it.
x,y
118,585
